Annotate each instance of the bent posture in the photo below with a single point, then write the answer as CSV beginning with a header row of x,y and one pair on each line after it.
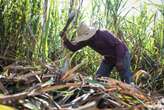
x,y
105,43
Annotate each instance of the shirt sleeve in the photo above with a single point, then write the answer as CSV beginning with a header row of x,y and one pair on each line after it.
x,y
73,46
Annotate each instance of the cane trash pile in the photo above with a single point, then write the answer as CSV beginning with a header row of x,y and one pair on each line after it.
x,y
23,87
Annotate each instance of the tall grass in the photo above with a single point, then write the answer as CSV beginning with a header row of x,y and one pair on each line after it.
x,y
142,33
30,29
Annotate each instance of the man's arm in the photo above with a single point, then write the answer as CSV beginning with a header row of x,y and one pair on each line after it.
x,y
120,52
73,46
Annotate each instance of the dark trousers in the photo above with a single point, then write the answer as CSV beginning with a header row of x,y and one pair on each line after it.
x,y
126,75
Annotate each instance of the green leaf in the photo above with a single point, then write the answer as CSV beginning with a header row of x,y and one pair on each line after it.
x,y
6,107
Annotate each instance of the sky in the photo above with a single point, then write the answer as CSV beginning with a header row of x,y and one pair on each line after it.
x,y
132,5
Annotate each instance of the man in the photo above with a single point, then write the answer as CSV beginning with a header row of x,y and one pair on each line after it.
x,y
105,43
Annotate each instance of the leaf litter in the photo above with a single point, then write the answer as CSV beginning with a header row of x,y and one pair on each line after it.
x,y
24,87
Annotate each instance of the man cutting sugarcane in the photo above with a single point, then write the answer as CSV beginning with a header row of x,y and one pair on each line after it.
x,y
115,52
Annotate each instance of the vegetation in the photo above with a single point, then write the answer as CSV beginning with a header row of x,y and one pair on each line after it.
x,y
32,55
29,31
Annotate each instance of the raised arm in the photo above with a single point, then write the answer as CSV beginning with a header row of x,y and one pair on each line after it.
x,y
73,46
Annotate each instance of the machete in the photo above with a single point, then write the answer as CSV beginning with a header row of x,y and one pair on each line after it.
x,y
70,19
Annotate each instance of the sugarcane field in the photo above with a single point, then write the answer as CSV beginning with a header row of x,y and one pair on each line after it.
x,y
81,54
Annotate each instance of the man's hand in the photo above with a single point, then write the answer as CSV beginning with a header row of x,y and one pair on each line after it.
x,y
119,66
63,35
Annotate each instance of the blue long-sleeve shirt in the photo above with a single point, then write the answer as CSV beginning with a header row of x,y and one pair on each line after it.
x,y
103,42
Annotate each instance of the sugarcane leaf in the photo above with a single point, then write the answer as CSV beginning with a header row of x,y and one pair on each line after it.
x,y
6,107
31,106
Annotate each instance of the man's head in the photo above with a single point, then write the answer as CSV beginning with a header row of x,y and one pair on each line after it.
x,y
84,32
